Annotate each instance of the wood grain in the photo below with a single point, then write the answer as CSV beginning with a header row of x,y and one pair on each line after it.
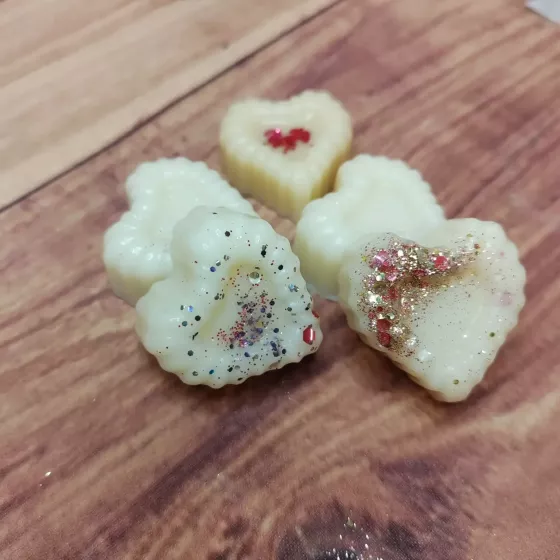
x,y
143,467
75,76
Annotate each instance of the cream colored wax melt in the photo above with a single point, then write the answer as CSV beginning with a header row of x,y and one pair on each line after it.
x,y
160,193
285,153
440,306
372,194
235,304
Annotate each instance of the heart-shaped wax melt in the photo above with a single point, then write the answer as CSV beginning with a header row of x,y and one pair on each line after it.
x,y
160,193
285,153
372,194
440,307
234,305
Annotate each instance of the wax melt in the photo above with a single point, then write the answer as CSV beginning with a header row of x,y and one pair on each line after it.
x,y
160,193
234,305
285,153
372,194
440,306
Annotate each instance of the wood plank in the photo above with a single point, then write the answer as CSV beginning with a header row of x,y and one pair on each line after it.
x,y
80,75
143,467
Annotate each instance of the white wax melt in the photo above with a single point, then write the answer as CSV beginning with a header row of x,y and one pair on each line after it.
x,y
285,153
160,193
372,194
439,307
235,304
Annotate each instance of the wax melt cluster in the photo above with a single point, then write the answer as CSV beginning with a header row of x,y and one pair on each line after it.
x,y
219,294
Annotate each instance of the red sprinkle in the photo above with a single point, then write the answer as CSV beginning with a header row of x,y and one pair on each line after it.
x,y
383,325
289,143
393,293
315,314
390,271
309,335
301,134
276,138
384,339
441,263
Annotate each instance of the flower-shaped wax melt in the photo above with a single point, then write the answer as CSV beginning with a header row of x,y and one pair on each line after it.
x,y
235,304
285,153
441,306
372,194
160,193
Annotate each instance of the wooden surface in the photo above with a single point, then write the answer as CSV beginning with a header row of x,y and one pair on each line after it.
x,y
104,456
76,75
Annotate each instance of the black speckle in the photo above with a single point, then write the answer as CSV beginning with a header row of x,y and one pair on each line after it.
x,y
276,330
228,233
283,351
194,335
268,315
231,346
195,373
272,302
182,307
288,308
197,318
281,267
240,379
184,323
190,352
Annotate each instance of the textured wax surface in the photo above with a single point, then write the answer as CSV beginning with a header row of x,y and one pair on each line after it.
x,y
234,305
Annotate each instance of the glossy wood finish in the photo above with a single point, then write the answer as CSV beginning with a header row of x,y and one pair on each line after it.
x,y
104,456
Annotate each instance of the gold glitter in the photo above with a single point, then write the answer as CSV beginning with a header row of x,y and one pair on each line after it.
x,y
402,276
455,382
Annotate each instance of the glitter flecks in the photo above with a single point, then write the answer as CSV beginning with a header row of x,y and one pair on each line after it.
x,y
402,275
255,277
275,138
